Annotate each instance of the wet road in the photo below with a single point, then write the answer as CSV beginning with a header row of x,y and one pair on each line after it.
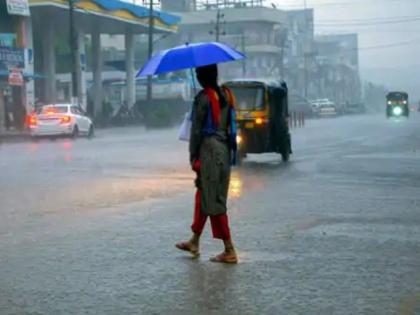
x,y
88,227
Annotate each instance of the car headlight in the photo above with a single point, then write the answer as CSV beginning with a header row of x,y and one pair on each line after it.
x,y
389,102
397,111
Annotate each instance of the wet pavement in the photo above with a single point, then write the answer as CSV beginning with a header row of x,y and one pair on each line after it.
x,y
89,226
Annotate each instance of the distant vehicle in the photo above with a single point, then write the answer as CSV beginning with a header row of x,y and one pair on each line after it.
x,y
300,104
397,104
324,108
60,119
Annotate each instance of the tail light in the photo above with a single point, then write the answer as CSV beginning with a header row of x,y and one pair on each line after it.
x,y
65,119
32,120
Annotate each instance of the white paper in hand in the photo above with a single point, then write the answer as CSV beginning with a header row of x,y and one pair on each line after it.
x,y
185,129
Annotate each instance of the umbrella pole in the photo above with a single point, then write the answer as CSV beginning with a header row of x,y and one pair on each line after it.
x,y
193,81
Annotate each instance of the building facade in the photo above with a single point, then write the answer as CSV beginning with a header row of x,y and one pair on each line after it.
x,y
35,35
337,66
299,52
91,21
274,41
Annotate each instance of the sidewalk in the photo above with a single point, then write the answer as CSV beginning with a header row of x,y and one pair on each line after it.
x,y
13,136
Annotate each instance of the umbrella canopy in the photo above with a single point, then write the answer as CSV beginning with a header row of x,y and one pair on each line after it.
x,y
189,56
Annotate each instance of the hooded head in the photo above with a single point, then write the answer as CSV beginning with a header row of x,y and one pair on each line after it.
x,y
207,76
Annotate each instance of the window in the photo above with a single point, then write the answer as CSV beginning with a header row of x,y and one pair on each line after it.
x,y
76,111
52,110
249,98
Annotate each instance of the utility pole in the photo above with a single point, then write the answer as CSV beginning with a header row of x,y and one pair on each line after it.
x,y
74,50
217,29
218,26
150,47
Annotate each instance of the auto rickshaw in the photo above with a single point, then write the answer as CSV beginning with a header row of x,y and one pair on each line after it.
x,y
397,104
262,117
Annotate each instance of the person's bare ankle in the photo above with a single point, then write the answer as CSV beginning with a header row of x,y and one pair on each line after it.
x,y
230,251
229,247
195,240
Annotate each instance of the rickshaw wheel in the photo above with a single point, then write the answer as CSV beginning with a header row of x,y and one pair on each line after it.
x,y
240,155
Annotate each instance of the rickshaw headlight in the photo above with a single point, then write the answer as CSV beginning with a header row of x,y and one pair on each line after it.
x,y
238,139
259,121
405,102
397,111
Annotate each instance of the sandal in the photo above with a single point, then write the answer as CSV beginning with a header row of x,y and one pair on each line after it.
x,y
186,246
225,258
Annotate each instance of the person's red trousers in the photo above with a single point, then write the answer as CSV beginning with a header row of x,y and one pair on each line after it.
x,y
219,223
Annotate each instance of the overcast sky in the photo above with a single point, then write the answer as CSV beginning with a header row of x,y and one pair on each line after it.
x,y
393,25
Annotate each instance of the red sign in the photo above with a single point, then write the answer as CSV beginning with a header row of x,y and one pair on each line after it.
x,y
16,77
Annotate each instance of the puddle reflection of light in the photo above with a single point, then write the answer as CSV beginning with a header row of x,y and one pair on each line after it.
x,y
235,186
67,145
398,119
33,147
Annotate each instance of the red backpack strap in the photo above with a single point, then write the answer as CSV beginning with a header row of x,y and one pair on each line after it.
x,y
215,105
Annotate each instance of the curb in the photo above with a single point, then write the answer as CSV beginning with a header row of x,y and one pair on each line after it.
x,y
14,138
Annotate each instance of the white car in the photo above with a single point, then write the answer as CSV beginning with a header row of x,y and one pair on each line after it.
x,y
324,108
60,119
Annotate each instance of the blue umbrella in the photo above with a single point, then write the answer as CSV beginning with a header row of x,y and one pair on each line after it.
x,y
189,56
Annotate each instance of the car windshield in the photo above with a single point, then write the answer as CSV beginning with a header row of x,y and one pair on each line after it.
x,y
397,96
249,98
46,110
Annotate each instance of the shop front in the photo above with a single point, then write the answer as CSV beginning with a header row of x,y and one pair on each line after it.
x,y
16,75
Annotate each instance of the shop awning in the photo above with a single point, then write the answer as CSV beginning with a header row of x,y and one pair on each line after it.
x,y
110,16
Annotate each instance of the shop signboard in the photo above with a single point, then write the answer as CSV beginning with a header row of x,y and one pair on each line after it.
x,y
18,7
11,57
16,77
7,39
